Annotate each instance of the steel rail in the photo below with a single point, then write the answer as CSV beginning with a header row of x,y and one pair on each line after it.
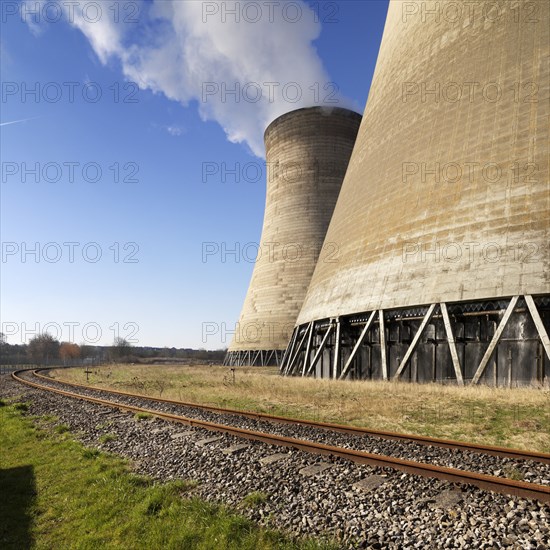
x,y
483,481
352,430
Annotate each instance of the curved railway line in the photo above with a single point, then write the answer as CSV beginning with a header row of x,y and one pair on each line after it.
x,y
131,402
341,428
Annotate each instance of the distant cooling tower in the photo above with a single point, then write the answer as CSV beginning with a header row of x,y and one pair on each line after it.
x,y
307,153
443,221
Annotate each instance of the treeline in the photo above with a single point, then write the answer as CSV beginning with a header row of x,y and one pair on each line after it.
x,y
44,349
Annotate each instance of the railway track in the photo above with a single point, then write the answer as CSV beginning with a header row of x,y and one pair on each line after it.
x,y
351,430
454,475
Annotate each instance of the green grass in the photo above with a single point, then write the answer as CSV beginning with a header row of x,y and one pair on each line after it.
x,y
107,437
142,416
254,499
58,494
90,453
62,428
513,473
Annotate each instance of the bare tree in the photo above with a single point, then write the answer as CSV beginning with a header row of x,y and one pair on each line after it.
x,y
120,348
43,349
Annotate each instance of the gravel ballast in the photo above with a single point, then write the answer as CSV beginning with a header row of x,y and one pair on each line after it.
x,y
525,470
361,506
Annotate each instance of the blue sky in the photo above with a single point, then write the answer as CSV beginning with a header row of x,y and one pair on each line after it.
x,y
108,237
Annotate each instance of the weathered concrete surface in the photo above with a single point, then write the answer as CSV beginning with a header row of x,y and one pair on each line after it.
x,y
447,195
307,153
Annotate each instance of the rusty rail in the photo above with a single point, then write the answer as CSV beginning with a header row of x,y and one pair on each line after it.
x,y
352,430
491,483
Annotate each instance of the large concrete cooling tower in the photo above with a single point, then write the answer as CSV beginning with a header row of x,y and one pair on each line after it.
x,y
443,220
307,153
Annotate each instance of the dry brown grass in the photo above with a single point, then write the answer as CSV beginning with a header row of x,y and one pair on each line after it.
x,y
517,417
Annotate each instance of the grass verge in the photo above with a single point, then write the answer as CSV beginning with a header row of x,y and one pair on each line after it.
x,y
58,494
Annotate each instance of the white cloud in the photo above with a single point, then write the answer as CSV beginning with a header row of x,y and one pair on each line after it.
x,y
31,13
243,74
175,130
18,121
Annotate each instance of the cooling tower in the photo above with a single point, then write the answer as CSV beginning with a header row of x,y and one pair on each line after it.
x,y
443,221
307,153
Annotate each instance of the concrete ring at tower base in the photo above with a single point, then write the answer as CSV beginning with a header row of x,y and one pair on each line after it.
x,y
254,358
498,343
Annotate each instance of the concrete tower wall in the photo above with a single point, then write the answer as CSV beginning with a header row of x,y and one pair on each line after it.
x,y
447,195
307,153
